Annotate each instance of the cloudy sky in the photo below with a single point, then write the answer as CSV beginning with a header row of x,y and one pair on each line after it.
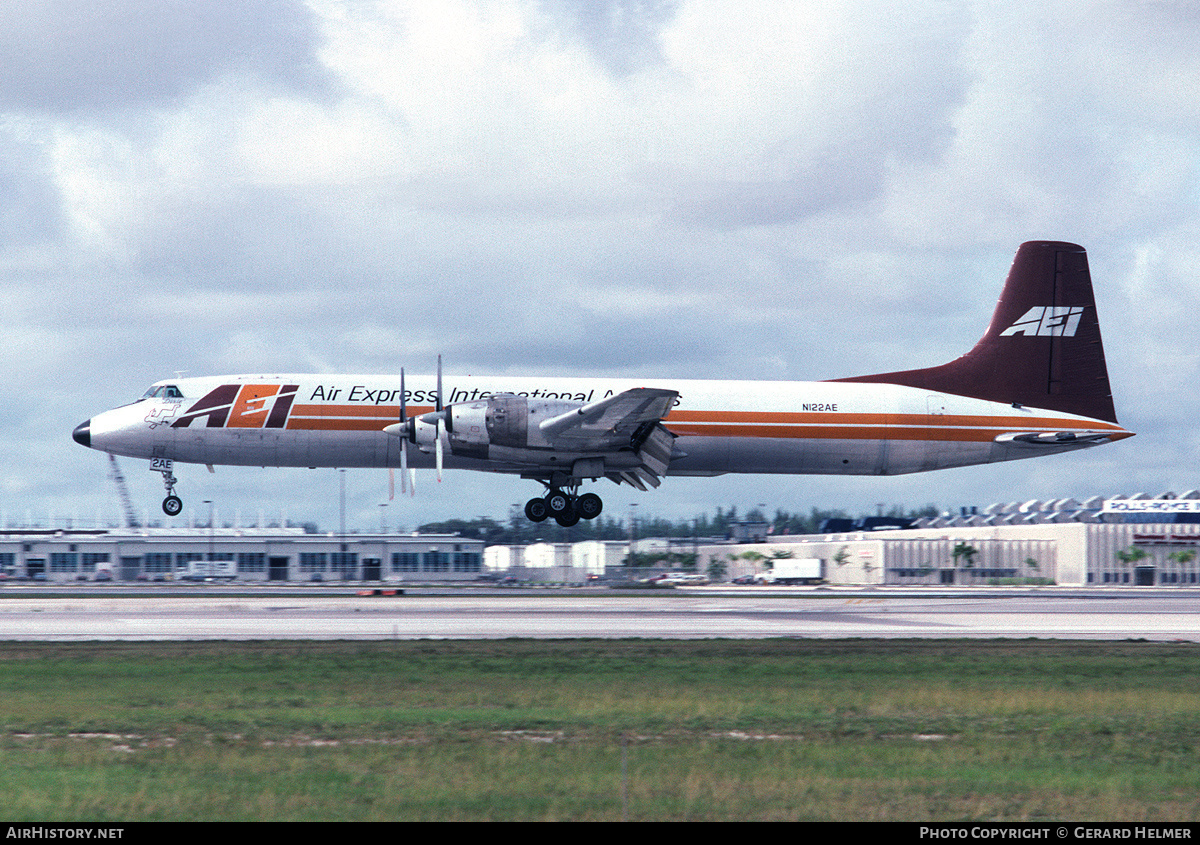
x,y
692,189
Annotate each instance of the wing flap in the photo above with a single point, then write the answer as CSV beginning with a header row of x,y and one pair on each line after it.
x,y
654,453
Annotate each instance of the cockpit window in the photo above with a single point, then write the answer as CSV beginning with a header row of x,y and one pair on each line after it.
x,y
163,391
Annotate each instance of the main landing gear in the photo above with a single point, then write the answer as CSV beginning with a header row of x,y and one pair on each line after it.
x,y
566,508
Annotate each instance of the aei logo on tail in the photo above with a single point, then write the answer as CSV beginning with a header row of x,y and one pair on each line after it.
x,y
1047,321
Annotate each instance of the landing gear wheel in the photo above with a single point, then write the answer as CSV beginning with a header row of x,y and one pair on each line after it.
x,y
566,520
557,503
588,506
536,510
171,505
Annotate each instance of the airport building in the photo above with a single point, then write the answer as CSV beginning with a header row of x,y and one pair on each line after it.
x,y
568,563
1117,542
1073,554
247,554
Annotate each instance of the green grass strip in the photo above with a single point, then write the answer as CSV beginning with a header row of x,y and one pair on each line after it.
x,y
542,730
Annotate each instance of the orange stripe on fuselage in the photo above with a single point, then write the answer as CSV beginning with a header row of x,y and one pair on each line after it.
x,y
791,417
831,432
336,425
348,417
373,411
848,426
774,424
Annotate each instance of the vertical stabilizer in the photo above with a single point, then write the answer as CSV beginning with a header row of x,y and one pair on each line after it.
x,y
1043,346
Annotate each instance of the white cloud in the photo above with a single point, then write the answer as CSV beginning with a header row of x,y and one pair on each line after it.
x,y
690,189
74,56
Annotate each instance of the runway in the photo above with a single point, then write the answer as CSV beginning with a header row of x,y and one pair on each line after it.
x,y
681,614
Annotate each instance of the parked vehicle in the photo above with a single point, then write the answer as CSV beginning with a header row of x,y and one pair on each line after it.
x,y
210,570
806,570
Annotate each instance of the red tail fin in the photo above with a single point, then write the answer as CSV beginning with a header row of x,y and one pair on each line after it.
x,y
1043,346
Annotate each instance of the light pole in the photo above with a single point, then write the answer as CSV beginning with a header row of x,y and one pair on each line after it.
x,y
632,531
342,529
210,534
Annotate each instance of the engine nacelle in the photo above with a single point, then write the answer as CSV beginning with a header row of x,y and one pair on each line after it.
x,y
505,420
523,435
463,424
422,431
467,428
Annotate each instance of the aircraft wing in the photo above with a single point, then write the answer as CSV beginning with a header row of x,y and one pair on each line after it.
x,y
628,422
611,423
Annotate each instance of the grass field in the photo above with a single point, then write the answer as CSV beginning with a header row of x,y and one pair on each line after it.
x,y
601,730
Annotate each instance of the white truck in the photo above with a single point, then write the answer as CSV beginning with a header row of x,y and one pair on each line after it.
x,y
210,570
805,570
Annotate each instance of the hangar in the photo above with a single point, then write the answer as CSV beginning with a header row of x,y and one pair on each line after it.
x,y
248,554
1118,542
1135,541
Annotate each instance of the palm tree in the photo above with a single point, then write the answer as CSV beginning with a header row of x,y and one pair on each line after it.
x,y
717,569
965,550
1131,555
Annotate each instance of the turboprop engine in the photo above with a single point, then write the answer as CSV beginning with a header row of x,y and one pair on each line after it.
x,y
503,427
559,443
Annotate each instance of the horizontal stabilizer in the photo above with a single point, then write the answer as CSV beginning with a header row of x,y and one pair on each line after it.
x,y
1056,438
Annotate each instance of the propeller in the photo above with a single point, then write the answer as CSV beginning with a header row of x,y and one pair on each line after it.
x,y
406,430
407,483
402,430
437,449
441,423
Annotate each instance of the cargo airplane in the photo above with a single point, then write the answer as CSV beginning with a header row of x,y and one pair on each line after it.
x,y
1035,384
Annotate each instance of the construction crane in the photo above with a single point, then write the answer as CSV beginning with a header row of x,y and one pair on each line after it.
x,y
131,520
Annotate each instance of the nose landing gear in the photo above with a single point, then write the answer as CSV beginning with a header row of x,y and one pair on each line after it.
x,y
172,505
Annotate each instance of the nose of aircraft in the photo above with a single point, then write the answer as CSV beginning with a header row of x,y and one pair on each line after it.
x,y
83,433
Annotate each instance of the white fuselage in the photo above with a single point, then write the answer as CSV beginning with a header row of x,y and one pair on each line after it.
x,y
721,426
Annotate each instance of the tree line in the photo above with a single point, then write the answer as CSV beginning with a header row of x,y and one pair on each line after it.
x,y
519,531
